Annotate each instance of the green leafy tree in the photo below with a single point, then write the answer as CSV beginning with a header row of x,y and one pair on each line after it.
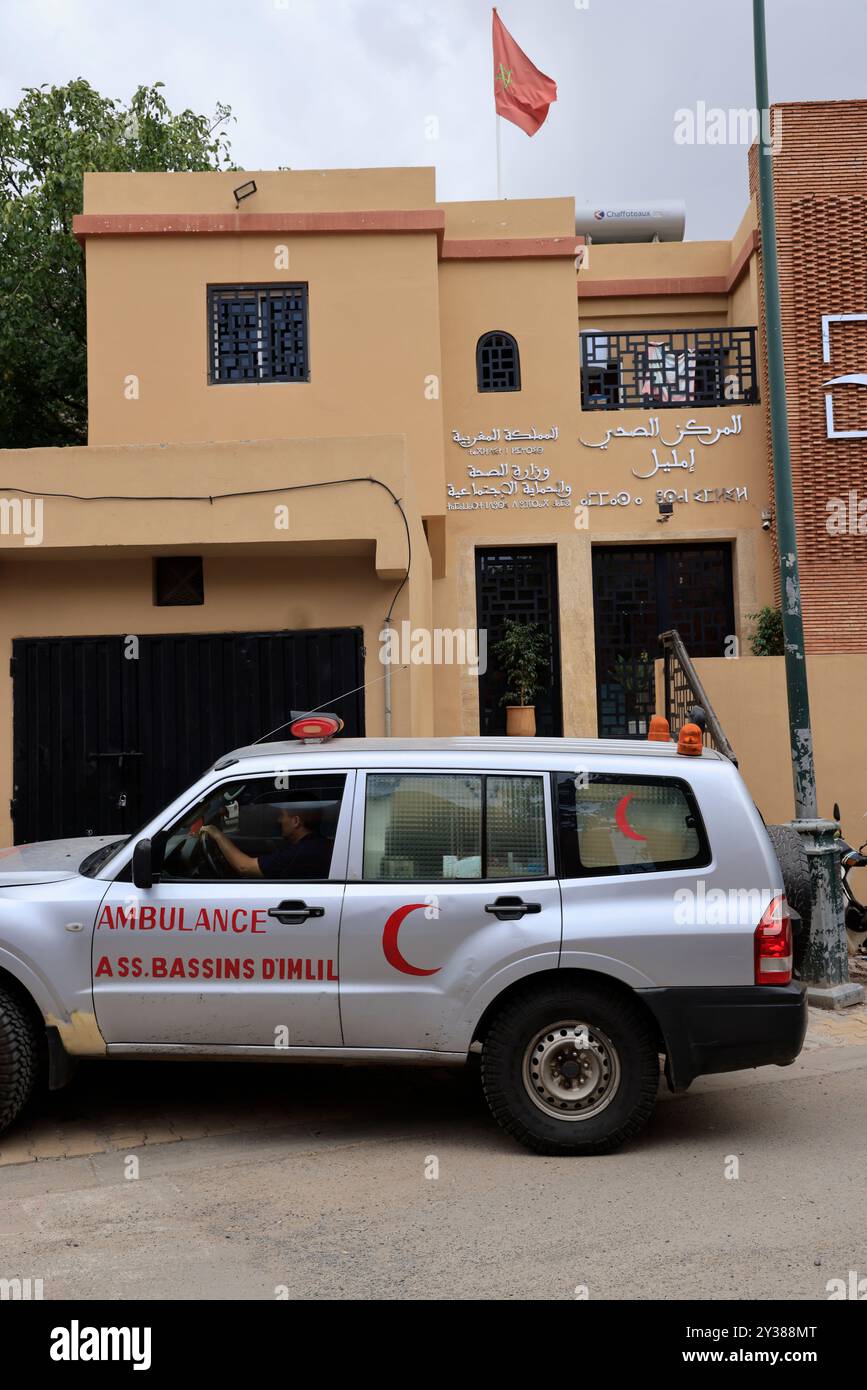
x,y
522,654
47,143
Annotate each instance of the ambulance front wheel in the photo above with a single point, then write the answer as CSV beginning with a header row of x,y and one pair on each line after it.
x,y
571,1069
19,1058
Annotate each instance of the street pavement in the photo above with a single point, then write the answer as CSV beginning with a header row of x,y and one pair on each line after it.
x,y
196,1180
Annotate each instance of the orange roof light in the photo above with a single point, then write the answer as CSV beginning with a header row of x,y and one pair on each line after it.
x,y
659,731
689,741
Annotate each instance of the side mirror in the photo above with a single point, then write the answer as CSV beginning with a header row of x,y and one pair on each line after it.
x,y
836,811
142,870
147,860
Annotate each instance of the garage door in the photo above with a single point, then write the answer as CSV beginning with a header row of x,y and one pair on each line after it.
x,y
107,730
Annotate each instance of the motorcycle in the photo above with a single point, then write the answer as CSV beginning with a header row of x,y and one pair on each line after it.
x,y
855,912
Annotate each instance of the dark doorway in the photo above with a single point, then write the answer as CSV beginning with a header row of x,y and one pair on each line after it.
x,y
106,732
520,584
639,592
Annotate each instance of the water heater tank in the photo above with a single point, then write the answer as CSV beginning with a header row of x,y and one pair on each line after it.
x,y
632,221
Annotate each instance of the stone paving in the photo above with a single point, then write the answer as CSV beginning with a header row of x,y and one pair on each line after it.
x,y
829,1029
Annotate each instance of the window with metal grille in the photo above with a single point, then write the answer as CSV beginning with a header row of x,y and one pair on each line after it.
x,y
601,376
257,333
669,368
178,581
498,365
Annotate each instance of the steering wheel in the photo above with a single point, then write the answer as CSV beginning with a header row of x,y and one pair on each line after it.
x,y
213,856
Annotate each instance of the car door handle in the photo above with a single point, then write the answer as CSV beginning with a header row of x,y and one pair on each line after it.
x,y
292,913
510,909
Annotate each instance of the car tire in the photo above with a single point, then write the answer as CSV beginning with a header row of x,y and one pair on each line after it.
x,y
19,1058
794,866
571,1068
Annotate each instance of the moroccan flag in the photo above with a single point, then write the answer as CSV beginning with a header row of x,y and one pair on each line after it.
x,y
522,93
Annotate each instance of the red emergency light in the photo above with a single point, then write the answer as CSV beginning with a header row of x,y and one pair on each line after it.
x,y
315,728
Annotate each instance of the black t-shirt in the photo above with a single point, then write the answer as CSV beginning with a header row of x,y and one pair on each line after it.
x,y
309,858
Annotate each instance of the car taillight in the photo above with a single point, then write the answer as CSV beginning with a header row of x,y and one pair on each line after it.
x,y
774,944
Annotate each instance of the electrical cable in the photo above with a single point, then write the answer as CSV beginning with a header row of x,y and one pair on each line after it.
x,y
246,492
251,492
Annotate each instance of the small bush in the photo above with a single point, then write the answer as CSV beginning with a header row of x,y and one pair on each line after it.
x,y
767,637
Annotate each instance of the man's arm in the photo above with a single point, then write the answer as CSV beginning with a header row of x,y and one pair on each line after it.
x,y
243,864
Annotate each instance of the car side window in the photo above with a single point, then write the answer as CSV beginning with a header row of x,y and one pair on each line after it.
x,y
515,840
619,824
286,822
430,827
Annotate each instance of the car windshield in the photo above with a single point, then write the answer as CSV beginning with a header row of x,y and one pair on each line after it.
x,y
93,862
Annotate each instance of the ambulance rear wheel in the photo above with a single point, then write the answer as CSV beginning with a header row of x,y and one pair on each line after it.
x,y
571,1069
19,1058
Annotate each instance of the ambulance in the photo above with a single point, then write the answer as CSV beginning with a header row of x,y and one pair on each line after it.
x,y
579,918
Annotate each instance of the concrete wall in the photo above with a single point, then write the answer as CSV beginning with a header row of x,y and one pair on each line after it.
x,y
391,310
287,190
749,696
373,343
338,563
373,316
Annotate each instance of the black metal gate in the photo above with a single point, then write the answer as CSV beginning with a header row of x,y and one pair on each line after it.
x,y
639,592
107,730
520,584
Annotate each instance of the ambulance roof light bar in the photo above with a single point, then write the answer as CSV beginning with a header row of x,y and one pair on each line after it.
x,y
314,728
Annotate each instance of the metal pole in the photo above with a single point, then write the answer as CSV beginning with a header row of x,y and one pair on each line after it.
x,y
826,966
387,683
790,591
498,120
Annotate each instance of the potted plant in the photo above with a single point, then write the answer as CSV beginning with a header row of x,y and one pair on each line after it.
x,y
522,653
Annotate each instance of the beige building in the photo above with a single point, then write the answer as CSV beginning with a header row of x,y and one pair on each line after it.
x,y
336,403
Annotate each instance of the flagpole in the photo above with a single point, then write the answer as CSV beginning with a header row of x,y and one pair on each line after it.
x,y
498,120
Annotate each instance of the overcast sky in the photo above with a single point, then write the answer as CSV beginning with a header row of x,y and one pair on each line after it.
x,y
353,83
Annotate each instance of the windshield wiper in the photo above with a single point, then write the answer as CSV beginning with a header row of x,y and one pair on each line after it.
x,y
98,857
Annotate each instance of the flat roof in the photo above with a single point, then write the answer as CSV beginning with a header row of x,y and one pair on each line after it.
x,y
556,746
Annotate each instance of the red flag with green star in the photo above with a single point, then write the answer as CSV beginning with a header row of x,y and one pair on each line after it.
x,y
522,93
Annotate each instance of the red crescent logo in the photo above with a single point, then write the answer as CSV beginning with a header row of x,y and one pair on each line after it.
x,y
389,942
622,823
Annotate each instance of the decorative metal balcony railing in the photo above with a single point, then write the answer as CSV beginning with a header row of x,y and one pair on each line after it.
x,y
669,368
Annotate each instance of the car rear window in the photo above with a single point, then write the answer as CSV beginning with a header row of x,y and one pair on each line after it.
x,y
613,824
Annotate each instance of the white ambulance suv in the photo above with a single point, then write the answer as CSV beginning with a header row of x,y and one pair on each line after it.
x,y
573,910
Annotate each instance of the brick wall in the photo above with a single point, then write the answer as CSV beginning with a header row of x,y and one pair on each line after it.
x,y
820,196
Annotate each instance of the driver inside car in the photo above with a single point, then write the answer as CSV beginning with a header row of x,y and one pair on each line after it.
x,y
302,853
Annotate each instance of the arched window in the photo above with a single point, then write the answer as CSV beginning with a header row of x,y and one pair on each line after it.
x,y
498,366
